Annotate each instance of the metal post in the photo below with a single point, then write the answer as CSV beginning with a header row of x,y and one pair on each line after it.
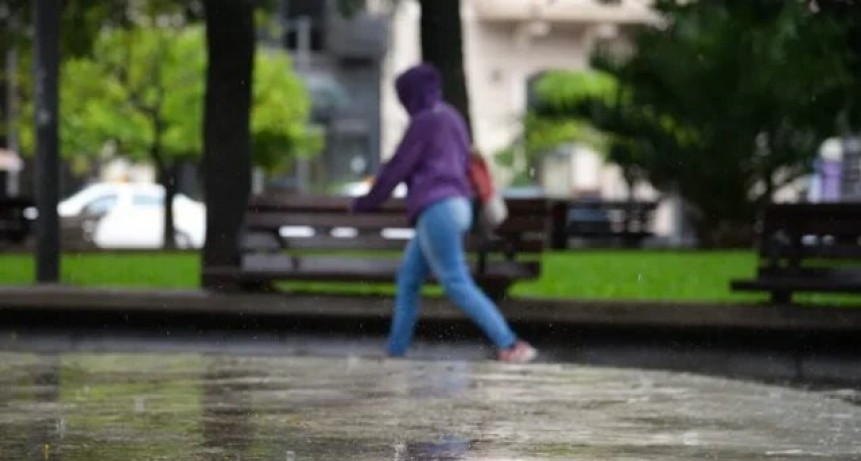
x,y
851,177
303,65
47,57
303,43
12,187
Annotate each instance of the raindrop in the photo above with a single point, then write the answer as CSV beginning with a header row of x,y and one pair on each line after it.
x,y
139,404
61,428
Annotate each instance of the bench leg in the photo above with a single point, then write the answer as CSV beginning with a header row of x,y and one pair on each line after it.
x,y
219,282
258,286
229,284
495,291
781,297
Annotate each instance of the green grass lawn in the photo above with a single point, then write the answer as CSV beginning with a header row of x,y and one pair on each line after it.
x,y
589,274
157,270
645,274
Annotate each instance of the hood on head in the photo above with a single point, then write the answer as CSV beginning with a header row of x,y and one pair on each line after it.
x,y
419,88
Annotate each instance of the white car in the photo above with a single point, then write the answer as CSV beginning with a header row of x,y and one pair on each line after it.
x,y
131,215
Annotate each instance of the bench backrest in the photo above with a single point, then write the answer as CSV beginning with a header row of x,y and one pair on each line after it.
x,y
303,222
820,230
622,215
14,224
814,218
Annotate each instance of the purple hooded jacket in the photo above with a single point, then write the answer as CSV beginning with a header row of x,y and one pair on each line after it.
x,y
432,156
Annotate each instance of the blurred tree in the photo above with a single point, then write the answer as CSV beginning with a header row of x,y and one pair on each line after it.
x,y
141,93
77,29
81,22
280,110
542,134
724,102
848,13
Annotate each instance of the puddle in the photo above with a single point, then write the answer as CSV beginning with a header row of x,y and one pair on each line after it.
x,y
194,406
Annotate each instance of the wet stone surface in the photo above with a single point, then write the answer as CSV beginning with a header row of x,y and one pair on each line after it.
x,y
193,406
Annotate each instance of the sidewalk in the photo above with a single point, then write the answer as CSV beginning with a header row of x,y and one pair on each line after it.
x,y
140,406
802,345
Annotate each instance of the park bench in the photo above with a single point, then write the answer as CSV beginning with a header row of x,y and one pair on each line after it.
x,y
15,225
807,248
615,222
306,238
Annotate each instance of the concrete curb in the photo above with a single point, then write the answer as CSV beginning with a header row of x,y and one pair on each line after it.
x,y
537,312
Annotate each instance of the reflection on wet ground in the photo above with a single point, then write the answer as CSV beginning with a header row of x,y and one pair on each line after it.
x,y
201,406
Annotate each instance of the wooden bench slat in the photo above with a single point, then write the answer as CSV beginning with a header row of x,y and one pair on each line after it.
x,y
816,227
15,227
277,219
814,251
849,274
341,269
325,204
377,242
806,284
292,237
274,220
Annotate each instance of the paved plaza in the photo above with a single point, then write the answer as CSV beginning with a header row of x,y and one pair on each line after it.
x,y
176,405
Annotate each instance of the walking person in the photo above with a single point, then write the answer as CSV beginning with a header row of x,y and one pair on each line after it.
x,y
432,161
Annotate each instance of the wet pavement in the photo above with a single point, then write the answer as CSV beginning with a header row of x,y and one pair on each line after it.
x,y
185,405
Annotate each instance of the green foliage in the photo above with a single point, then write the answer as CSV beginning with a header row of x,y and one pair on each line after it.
x,y
81,23
724,102
561,90
848,14
542,134
141,91
350,8
279,114
545,134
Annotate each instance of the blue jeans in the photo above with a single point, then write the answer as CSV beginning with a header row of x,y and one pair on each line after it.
x,y
438,247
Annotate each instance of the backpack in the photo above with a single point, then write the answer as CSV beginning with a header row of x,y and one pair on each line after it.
x,y
491,208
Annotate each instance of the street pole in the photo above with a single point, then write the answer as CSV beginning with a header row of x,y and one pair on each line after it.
x,y
12,188
851,178
303,65
47,57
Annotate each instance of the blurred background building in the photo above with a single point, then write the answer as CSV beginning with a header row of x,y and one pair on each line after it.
x,y
341,60
508,44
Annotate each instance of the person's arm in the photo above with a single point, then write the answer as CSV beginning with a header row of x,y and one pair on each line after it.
x,y
399,168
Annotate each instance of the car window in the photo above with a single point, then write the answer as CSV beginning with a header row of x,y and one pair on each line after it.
x,y
100,205
146,200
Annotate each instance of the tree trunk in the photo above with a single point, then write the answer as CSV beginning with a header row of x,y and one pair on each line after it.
x,y
226,131
442,46
167,178
630,179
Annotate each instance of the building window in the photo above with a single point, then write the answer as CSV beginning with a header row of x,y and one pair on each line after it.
x,y
315,11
